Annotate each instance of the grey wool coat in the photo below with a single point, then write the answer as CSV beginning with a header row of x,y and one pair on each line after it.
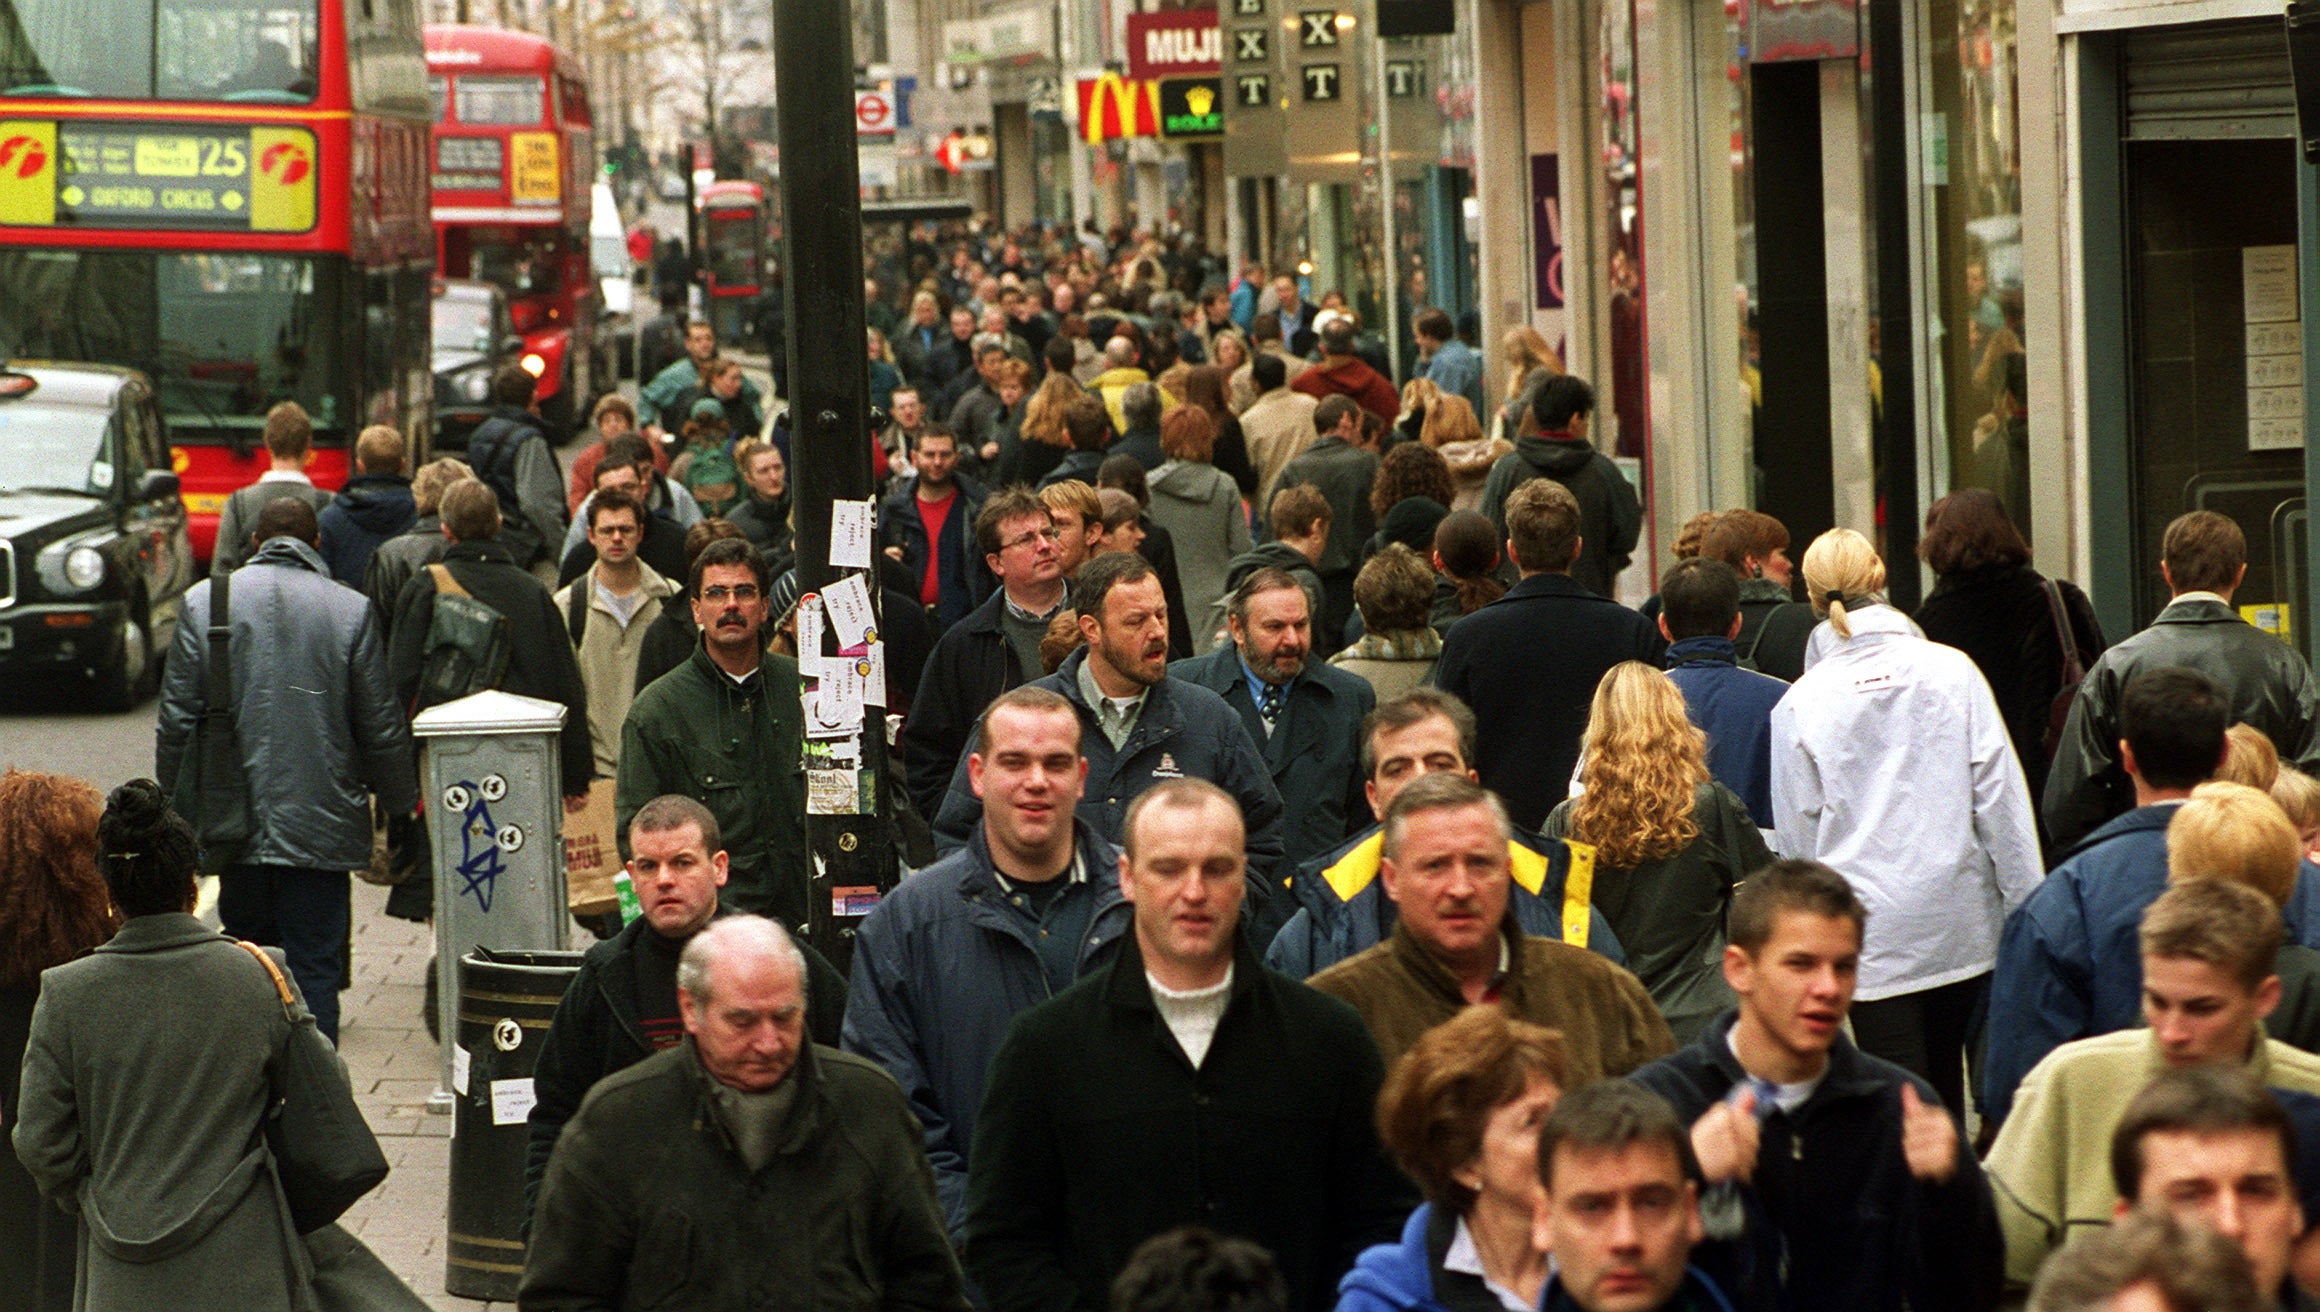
x,y
144,1083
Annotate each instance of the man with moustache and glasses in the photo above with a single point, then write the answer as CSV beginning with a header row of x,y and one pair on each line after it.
x,y
727,730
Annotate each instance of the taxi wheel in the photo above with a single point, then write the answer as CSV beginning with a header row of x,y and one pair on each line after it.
x,y
125,684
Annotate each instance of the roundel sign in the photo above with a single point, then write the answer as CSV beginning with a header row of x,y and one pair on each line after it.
x,y
873,113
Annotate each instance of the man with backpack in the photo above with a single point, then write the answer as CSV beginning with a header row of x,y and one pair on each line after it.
x,y
313,718
608,610
478,621
513,455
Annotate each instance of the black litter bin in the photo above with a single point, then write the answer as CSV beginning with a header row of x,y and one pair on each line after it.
x,y
506,1000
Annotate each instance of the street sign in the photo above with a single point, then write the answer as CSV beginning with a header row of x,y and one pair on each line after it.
x,y
1192,107
873,114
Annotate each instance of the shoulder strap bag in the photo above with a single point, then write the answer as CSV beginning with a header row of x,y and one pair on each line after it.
x,y
324,1152
212,792
2072,667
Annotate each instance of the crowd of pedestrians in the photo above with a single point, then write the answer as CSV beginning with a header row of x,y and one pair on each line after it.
x,y
1325,891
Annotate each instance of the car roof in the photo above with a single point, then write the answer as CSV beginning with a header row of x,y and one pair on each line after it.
x,y
63,383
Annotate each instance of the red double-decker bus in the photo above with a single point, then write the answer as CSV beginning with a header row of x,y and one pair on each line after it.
x,y
733,230
230,195
514,162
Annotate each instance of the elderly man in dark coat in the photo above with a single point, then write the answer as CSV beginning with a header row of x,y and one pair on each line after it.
x,y
746,1168
1306,714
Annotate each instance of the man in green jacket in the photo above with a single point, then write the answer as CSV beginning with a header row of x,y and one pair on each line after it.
x,y
745,1168
726,729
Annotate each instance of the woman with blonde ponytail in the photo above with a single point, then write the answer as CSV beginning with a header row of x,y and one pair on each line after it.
x,y
1891,764
1843,574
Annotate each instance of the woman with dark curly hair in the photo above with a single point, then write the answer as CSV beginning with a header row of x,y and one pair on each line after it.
x,y
1670,842
1410,470
146,1090
53,909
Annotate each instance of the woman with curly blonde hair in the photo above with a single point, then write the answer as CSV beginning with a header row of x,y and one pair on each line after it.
x,y
1418,395
1528,359
1670,842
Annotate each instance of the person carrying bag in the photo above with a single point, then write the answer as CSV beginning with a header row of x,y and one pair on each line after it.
x,y
174,1098
213,793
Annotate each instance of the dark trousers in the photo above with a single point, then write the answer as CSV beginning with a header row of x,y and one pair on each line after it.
x,y
1927,1034
302,912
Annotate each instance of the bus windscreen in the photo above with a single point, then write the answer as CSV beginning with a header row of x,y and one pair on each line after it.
x,y
223,335
239,51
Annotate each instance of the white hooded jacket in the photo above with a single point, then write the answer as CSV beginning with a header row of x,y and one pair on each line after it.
x,y
1891,765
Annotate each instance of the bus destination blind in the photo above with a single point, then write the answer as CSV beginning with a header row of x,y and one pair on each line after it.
x,y
158,176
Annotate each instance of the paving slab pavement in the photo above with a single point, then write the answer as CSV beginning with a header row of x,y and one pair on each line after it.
x,y
393,1064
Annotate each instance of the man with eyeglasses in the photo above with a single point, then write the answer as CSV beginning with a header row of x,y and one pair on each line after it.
x,y
726,729
995,648
607,611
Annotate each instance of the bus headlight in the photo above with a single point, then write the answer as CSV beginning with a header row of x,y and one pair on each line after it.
x,y
534,364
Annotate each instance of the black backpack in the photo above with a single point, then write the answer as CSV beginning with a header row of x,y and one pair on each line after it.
x,y
492,450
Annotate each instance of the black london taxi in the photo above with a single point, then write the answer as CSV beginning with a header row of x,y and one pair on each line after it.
x,y
94,556
473,335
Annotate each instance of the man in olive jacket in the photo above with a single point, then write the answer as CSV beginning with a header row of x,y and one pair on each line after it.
x,y
746,1168
1182,1083
726,729
1457,944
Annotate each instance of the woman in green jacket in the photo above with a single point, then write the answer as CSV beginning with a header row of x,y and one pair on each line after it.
x,y
1670,842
